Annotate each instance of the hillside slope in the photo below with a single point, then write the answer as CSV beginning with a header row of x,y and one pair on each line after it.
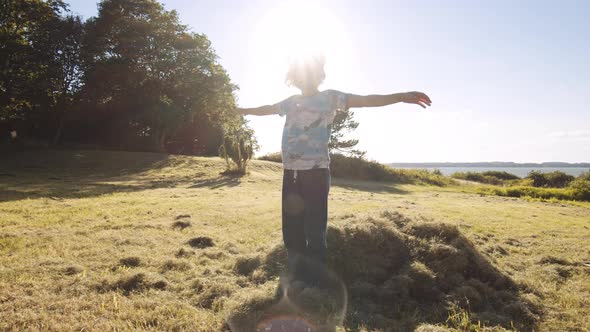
x,y
100,240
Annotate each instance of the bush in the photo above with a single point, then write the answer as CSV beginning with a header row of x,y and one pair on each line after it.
x,y
584,176
502,175
581,187
238,146
489,177
555,179
476,177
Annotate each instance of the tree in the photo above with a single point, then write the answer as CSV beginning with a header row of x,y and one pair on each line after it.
x,y
65,68
154,75
24,59
342,125
133,77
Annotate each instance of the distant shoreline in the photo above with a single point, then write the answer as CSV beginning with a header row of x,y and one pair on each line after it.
x,y
491,164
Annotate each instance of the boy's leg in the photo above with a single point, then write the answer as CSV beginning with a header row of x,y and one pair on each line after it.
x,y
292,220
316,186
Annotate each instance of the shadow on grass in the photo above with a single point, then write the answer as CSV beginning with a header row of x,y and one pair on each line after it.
x,y
81,163
83,174
71,190
399,274
368,186
223,181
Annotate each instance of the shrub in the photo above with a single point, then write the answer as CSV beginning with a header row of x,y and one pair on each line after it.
x,y
555,179
584,176
476,177
502,175
489,177
581,187
239,146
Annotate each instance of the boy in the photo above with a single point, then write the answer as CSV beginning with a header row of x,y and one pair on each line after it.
x,y
306,160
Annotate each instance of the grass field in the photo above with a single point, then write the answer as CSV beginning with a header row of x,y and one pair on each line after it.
x,y
97,241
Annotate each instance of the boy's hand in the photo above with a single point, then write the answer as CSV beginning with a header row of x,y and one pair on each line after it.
x,y
415,97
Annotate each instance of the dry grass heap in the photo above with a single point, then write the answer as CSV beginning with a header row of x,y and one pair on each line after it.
x,y
399,274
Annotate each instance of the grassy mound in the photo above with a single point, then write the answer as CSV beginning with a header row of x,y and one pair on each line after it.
x,y
399,274
362,169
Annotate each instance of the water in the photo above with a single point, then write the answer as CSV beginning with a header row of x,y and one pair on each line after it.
x,y
518,171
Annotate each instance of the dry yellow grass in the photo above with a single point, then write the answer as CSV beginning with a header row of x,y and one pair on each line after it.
x,y
99,240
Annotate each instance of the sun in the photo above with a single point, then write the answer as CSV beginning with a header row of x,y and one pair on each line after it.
x,y
297,29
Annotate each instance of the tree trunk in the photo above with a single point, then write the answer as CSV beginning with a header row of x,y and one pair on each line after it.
x,y
161,141
59,130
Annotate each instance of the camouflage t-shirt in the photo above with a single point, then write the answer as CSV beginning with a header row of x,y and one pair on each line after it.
x,y
308,127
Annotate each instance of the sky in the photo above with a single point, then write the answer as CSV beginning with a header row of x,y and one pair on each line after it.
x,y
509,80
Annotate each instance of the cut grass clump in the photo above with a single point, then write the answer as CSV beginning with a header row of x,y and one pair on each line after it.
x,y
183,253
395,267
175,265
554,260
201,242
132,261
181,224
248,308
73,269
245,265
212,294
394,216
213,254
136,282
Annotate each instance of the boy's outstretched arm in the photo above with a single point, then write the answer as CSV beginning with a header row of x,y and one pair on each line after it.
x,y
262,110
413,97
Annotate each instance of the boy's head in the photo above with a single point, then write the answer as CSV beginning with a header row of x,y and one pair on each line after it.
x,y
306,72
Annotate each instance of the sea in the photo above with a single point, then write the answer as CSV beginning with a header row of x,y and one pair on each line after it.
x,y
518,171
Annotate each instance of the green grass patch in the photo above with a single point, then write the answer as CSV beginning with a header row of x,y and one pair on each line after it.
x,y
568,194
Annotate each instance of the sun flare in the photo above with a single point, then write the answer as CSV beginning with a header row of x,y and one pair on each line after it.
x,y
298,29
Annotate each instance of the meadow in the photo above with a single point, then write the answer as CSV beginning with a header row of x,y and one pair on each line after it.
x,y
101,240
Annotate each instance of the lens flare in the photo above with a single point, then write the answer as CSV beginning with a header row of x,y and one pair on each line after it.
x,y
308,308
